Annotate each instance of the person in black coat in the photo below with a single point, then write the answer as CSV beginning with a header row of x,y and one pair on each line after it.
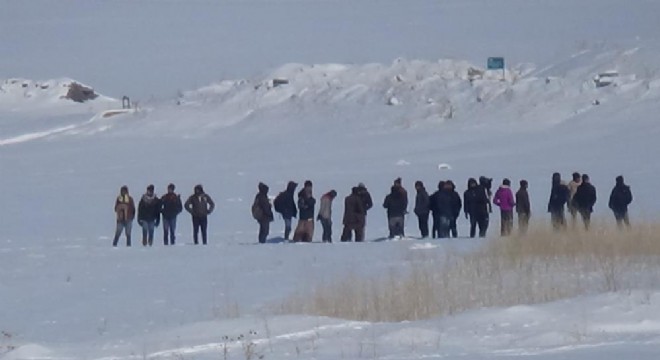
x,y
149,215
620,198
435,227
262,212
476,206
396,204
585,199
286,206
367,203
443,209
559,195
171,207
456,206
422,208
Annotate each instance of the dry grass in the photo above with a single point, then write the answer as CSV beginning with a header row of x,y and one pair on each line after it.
x,y
540,267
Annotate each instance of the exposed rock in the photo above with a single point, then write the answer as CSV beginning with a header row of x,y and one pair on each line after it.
x,y
80,93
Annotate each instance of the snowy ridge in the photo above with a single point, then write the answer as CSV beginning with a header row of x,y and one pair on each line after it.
x,y
29,96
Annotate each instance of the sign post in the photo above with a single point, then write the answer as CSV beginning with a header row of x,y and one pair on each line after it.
x,y
497,63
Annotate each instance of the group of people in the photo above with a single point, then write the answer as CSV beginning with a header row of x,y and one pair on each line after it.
x,y
151,208
443,207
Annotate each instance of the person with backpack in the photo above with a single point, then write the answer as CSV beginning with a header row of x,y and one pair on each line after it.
x,y
523,207
325,215
200,206
149,215
305,230
476,207
262,212
396,204
354,216
422,208
286,206
505,201
559,195
585,199
125,213
620,198
171,207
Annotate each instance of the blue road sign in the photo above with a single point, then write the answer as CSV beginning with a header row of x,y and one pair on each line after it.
x,y
495,63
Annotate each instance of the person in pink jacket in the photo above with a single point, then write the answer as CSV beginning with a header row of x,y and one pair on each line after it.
x,y
505,201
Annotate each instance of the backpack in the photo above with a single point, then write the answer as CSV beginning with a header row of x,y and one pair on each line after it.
x,y
278,203
257,212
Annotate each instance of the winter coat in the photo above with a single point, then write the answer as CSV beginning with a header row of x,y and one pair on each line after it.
x,y
559,195
288,209
262,205
585,197
325,208
171,205
522,202
365,197
475,201
456,204
306,203
199,205
422,202
354,212
442,204
396,204
125,208
504,198
620,198
149,208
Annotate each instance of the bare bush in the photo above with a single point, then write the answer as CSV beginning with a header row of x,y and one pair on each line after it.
x,y
540,267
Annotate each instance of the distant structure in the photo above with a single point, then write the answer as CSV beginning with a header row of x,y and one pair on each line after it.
x,y
125,102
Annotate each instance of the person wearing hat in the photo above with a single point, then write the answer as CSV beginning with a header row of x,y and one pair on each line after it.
x,y
148,215
171,207
125,212
200,206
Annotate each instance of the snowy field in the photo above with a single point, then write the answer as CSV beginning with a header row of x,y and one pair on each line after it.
x,y
376,90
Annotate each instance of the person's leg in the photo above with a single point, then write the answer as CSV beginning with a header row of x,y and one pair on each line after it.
x,y
310,231
453,227
346,234
473,226
626,219
400,226
143,225
523,223
151,228
483,225
204,225
263,231
359,233
118,229
196,226
327,230
586,218
424,225
166,231
287,228
173,231
128,226
391,222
